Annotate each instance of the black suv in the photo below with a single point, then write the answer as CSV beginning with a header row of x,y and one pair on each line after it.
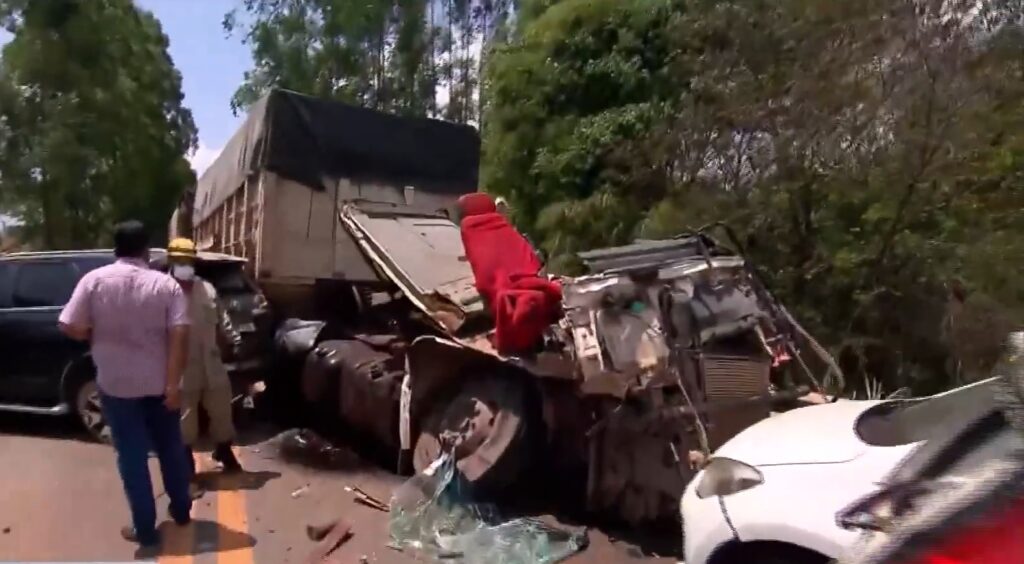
x,y
44,372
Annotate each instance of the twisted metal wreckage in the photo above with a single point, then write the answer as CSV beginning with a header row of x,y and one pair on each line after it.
x,y
668,350
427,336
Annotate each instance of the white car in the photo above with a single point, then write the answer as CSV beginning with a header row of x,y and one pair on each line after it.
x,y
771,493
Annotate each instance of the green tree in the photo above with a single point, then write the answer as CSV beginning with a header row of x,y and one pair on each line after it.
x,y
93,127
390,55
862,150
853,146
578,83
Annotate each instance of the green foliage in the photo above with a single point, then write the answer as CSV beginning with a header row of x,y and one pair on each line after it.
x,y
391,55
868,153
581,81
92,127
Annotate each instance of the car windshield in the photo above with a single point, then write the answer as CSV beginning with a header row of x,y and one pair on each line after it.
x,y
901,422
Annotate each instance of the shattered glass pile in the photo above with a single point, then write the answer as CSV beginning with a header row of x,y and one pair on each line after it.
x,y
432,513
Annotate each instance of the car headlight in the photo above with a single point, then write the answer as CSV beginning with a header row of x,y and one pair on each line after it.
x,y
725,476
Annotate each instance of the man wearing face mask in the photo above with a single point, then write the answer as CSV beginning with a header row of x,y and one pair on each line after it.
x,y
205,381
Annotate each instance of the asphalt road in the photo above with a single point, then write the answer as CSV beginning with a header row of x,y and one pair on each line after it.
x,y
61,500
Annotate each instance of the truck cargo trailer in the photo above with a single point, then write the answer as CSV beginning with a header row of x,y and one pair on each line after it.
x,y
274,194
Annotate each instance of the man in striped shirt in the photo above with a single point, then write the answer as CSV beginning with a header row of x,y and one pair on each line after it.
x,y
136,321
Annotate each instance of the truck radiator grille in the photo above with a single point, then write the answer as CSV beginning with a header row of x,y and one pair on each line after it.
x,y
734,377
730,377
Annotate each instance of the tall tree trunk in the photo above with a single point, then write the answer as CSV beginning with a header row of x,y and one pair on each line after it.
x,y
452,94
484,42
381,96
432,58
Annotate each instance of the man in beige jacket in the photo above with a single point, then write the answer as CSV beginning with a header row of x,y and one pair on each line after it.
x,y
205,381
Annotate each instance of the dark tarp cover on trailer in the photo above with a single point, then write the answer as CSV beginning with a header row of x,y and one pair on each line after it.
x,y
316,142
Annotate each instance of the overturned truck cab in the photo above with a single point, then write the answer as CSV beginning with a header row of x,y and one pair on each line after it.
x,y
664,352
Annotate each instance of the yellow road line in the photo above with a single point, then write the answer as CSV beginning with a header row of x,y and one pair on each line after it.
x,y
234,521
179,542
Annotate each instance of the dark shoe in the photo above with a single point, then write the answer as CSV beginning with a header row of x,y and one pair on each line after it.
x,y
129,534
226,456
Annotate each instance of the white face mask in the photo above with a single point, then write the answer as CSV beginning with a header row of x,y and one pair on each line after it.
x,y
183,272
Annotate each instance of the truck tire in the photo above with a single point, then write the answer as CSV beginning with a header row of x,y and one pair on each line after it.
x,y
484,423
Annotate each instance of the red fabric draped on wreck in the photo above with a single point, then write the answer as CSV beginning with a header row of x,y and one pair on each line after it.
x,y
506,269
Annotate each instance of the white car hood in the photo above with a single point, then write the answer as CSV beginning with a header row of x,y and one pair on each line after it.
x,y
808,435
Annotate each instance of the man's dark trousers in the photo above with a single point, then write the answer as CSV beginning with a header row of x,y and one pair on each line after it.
x,y
138,424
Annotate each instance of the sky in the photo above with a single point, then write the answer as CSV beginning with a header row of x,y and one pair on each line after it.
x,y
211,65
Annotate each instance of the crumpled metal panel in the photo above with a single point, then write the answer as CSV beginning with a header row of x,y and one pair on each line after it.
x,y
725,309
424,256
616,320
616,333
634,473
648,254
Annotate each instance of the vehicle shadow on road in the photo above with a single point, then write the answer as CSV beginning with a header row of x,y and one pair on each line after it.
x,y
205,537
43,427
215,481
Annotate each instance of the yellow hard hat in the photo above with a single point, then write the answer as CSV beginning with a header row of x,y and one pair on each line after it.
x,y
181,248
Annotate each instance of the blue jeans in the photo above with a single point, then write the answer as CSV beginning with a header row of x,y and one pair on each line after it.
x,y
136,425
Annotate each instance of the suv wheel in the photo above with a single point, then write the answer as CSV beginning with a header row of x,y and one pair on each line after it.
x,y
89,411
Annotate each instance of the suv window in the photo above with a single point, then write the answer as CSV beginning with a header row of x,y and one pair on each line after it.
x,y
43,284
88,264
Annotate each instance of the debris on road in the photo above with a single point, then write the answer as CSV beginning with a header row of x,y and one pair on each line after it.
x,y
329,538
318,533
300,492
433,514
360,496
305,447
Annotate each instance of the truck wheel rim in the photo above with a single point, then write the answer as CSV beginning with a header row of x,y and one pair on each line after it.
x,y
478,426
464,435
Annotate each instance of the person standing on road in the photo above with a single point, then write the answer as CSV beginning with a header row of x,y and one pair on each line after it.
x,y
136,321
205,382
